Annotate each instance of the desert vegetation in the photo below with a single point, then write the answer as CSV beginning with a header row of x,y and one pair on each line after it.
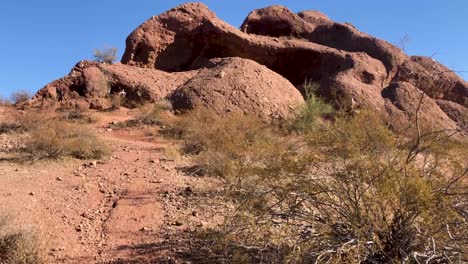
x,y
310,113
47,136
77,116
16,97
105,55
20,96
19,246
347,191
55,139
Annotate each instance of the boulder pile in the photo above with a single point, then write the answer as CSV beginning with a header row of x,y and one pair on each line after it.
x,y
191,57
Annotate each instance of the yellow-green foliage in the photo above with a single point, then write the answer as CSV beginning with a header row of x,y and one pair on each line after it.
x,y
388,208
308,114
229,145
351,192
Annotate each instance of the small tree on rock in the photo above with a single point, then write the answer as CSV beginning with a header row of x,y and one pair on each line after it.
x,y
20,96
105,55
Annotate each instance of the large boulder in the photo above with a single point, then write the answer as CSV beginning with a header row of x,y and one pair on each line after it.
x,y
170,41
315,18
238,85
229,84
192,45
277,21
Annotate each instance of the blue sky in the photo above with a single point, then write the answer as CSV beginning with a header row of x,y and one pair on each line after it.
x,y
42,40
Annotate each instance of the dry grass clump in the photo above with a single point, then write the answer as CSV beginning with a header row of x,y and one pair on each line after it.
x,y
17,123
8,127
47,136
19,246
77,116
53,139
149,115
349,192
116,101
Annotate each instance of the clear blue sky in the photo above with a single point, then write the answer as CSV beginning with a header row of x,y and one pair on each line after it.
x,y
42,40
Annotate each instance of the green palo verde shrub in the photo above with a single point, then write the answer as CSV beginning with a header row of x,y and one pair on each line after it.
x,y
309,113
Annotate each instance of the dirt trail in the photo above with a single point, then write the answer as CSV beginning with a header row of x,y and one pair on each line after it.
x,y
119,210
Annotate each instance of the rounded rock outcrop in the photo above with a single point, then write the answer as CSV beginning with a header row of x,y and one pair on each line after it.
x,y
238,85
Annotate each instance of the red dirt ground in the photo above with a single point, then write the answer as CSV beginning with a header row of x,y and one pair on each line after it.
x,y
127,208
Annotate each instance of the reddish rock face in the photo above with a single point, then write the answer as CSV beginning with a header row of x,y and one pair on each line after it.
x,y
456,112
294,59
436,80
315,18
169,42
226,85
239,85
315,27
402,101
94,81
176,51
276,21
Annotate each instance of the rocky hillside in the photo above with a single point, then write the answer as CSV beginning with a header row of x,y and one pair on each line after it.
x,y
191,57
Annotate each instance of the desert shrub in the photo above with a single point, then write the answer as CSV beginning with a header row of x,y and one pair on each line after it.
x,y
20,123
54,138
77,116
20,96
150,114
116,101
228,146
7,127
106,55
19,246
377,205
309,113
356,192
